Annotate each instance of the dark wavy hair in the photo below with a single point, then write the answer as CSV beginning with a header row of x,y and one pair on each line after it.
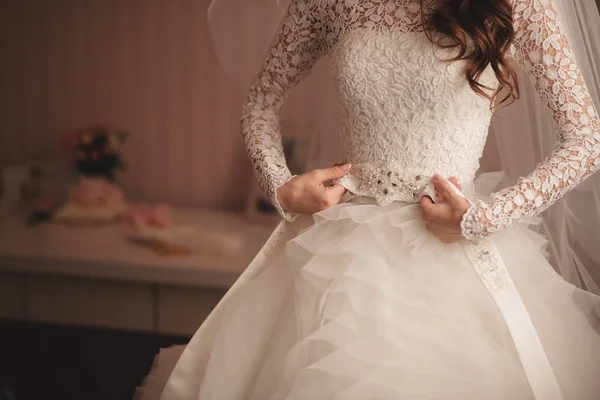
x,y
482,31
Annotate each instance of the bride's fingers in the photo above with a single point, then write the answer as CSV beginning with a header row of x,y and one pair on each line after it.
x,y
450,239
434,212
454,181
455,200
425,201
443,195
439,228
336,190
442,188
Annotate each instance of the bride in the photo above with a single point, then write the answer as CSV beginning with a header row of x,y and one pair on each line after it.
x,y
389,278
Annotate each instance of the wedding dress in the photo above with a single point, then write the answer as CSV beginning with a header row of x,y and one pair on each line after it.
x,y
360,301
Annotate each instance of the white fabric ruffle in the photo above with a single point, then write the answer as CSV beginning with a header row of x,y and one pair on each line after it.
x,y
361,302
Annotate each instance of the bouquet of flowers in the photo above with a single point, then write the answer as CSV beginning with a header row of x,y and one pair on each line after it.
x,y
96,150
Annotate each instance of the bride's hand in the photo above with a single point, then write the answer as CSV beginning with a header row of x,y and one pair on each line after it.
x,y
312,192
443,218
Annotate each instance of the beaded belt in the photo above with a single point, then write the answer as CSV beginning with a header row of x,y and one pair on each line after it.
x,y
387,184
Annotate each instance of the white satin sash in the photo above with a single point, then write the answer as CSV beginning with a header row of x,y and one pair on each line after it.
x,y
493,273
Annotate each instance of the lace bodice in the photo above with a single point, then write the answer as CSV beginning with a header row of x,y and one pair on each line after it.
x,y
407,115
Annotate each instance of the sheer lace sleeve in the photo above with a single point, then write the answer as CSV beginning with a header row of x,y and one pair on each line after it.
x,y
296,49
541,48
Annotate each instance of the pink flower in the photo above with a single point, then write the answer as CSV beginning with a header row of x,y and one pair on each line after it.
x,y
161,217
141,215
134,218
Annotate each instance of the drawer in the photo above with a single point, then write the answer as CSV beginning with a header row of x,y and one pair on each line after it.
x,y
182,309
87,302
12,295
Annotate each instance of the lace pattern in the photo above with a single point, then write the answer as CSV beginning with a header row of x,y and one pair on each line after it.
x,y
542,49
401,105
297,48
404,109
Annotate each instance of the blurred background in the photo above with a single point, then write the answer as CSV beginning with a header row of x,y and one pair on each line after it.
x,y
128,204
146,66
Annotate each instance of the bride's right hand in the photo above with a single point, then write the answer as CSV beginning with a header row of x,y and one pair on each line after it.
x,y
310,193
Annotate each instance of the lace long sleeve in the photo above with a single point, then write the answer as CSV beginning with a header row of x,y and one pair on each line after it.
x,y
542,49
296,49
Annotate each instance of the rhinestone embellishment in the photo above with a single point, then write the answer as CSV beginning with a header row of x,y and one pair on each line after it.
x,y
490,269
384,184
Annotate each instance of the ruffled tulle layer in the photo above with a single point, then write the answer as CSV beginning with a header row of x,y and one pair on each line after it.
x,y
361,302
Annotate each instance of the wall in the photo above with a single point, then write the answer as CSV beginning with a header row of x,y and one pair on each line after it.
x,y
145,65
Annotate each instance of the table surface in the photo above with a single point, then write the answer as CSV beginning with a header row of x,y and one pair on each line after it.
x,y
226,244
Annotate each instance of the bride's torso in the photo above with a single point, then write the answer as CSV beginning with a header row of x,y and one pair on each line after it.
x,y
406,113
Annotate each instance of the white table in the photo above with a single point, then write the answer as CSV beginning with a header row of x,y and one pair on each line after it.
x,y
93,276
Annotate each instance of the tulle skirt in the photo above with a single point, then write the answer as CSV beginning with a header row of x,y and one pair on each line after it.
x,y
361,302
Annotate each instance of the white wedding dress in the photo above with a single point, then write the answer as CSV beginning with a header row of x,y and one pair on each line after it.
x,y
360,301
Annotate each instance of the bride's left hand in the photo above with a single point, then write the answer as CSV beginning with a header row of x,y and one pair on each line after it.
x,y
443,218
